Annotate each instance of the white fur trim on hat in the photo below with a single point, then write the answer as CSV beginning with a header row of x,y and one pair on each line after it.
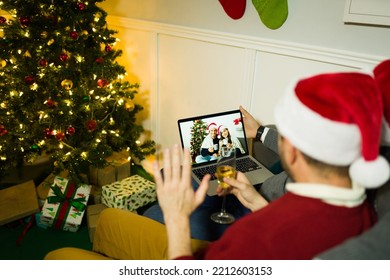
x,y
323,139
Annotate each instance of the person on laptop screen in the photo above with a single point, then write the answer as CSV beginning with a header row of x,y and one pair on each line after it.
x,y
228,140
210,145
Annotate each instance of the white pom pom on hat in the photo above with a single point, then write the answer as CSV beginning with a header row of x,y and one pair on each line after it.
x,y
336,118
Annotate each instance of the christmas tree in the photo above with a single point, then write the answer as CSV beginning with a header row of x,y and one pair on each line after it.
x,y
198,133
62,93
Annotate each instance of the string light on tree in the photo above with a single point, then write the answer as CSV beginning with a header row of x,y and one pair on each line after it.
x,y
62,89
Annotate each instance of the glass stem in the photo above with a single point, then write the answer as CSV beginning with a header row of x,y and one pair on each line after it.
x,y
223,208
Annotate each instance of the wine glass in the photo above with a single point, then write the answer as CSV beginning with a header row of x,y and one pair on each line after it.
x,y
226,168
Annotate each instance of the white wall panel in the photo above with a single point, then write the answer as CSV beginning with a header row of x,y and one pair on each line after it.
x,y
275,73
185,72
195,78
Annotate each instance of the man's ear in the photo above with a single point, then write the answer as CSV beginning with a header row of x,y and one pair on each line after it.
x,y
289,151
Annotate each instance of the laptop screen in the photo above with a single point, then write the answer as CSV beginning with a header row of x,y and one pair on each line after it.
x,y
204,135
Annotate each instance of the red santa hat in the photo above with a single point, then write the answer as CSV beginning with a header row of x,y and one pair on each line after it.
x,y
234,8
336,119
382,77
221,128
211,126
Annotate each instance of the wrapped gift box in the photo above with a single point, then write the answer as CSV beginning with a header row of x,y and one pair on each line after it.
x,y
129,194
93,212
65,205
44,187
118,169
17,202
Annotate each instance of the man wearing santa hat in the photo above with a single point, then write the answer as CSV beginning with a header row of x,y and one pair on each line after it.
x,y
330,128
209,148
374,243
330,131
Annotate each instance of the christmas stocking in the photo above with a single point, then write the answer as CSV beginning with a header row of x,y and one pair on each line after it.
x,y
273,13
234,8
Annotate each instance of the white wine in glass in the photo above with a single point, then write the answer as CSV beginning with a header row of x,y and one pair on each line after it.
x,y
225,171
226,168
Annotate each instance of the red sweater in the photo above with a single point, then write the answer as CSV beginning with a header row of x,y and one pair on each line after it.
x,y
291,227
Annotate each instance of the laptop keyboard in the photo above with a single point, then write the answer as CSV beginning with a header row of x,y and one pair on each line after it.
x,y
243,165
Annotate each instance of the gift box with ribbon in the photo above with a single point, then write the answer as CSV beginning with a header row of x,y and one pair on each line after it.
x,y
129,194
65,205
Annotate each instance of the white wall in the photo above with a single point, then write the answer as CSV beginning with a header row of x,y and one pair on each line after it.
x,y
186,72
191,58
312,22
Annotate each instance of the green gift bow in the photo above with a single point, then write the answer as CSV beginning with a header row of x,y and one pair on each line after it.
x,y
59,197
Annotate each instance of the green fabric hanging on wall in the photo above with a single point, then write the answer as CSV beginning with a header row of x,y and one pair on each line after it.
x,y
273,13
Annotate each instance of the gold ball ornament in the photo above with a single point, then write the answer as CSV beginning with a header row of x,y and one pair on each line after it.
x,y
44,34
129,105
67,84
3,63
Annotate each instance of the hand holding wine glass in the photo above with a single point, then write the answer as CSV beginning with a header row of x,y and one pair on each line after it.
x,y
226,167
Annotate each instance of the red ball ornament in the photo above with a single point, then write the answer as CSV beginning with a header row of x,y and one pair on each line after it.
x,y
64,57
43,62
71,130
48,133
3,131
102,83
24,21
91,125
99,60
60,136
80,6
50,103
29,80
74,35
108,48
3,20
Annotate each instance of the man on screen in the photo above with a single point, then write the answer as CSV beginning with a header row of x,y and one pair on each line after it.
x,y
210,145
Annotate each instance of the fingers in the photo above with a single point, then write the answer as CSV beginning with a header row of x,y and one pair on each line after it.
x,y
157,174
238,183
187,164
202,190
243,111
176,166
167,165
241,177
173,169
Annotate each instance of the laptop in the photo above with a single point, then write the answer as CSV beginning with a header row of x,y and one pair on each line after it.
x,y
194,135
